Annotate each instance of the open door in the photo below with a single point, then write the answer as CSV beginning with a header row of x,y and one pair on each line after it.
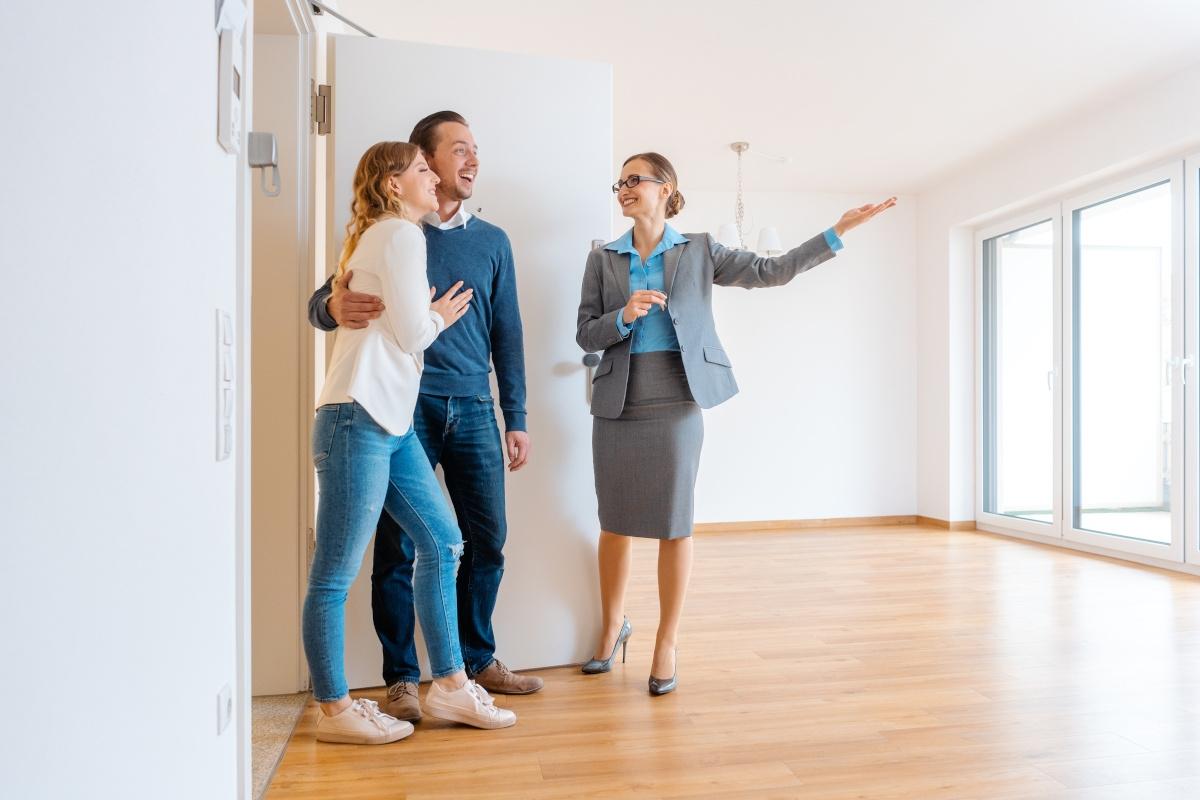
x,y
544,128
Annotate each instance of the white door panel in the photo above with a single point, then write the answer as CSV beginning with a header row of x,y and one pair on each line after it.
x,y
544,128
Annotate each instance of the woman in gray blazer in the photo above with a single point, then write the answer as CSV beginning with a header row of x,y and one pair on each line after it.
x,y
647,304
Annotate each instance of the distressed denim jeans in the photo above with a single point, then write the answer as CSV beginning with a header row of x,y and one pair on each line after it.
x,y
363,470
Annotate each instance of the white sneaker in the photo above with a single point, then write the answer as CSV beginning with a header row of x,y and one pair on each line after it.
x,y
361,723
470,705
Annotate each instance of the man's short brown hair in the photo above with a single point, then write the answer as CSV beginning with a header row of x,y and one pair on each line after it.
x,y
424,134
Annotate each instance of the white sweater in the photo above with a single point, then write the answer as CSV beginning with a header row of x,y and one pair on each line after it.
x,y
380,365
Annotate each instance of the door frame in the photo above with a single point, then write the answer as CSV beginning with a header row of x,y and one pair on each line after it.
x,y
1173,552
1053,529
306,31
1191,375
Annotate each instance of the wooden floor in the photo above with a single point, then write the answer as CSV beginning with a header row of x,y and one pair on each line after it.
x,y
902,662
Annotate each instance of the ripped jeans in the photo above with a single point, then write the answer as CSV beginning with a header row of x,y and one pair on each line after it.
x,y
361,469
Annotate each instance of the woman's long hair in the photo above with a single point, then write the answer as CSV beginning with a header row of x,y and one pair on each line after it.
x,y
372,197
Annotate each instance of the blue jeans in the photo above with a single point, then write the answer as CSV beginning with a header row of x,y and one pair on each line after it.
x,y
362,470
461,434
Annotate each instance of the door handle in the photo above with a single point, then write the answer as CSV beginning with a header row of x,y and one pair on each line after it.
x,y
591,361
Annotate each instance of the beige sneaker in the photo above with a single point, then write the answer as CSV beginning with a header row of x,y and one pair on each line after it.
x,y
501,680
361,723
470,705
402,702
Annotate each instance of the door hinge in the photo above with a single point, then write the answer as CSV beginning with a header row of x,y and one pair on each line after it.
x,y
322,111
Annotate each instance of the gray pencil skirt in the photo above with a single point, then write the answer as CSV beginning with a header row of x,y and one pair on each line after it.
x,y
646,460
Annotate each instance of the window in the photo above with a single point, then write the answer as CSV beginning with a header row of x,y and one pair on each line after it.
x,y
1018,382
1121,345
1084,358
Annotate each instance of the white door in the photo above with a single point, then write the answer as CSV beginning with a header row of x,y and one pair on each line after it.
x,y
544,129
1123,478
1018,279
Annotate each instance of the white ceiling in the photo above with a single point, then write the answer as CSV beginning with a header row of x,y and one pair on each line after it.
x,y
869,96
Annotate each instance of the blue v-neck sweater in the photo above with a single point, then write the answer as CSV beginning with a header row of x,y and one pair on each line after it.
x,y
459,360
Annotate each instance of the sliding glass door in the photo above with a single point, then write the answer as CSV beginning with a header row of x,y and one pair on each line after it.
x,y
1019,336
1088,313
1124,326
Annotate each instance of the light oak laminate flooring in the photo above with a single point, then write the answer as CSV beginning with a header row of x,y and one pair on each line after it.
x,y
852,663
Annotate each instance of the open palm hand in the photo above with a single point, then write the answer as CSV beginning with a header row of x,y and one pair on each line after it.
x,y
857,216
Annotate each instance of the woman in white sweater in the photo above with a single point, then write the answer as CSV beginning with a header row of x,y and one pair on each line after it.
x,y
368,458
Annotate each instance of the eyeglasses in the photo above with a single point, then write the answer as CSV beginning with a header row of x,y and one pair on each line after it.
x,y
632,181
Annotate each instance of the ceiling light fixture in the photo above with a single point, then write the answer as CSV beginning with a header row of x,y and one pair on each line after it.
x,y
733,234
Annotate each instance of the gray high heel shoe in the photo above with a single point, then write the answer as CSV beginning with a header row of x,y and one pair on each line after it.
x,y
595,666
661,686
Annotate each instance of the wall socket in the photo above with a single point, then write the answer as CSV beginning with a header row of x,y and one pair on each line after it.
x,y
224,708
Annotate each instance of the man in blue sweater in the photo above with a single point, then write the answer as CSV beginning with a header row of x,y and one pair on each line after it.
x,y
454,419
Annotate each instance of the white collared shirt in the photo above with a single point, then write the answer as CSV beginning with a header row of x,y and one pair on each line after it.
x,y
457,221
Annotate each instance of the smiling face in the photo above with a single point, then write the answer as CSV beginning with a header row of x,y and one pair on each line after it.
x,y
455,159
417,187
648,198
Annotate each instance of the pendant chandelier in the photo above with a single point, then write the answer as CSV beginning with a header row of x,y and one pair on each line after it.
x,y
733,234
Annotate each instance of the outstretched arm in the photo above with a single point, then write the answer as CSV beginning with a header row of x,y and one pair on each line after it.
x,y
857,216
748,270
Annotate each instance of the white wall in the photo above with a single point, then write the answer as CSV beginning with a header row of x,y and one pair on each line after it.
x,y
1140,129
118,575
825,423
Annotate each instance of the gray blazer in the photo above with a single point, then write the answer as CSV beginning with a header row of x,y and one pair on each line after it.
x,y
689,272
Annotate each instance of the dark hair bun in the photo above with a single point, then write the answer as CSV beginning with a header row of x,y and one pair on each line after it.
x,y
675,203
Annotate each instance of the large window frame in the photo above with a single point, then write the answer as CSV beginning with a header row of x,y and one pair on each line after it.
x,y
1183,176
983,427
1171,174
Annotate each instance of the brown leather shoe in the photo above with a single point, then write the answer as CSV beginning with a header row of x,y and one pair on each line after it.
x,y
501,680
402,702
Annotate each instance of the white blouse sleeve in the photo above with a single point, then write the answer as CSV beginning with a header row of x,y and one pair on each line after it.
x,y
406,290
